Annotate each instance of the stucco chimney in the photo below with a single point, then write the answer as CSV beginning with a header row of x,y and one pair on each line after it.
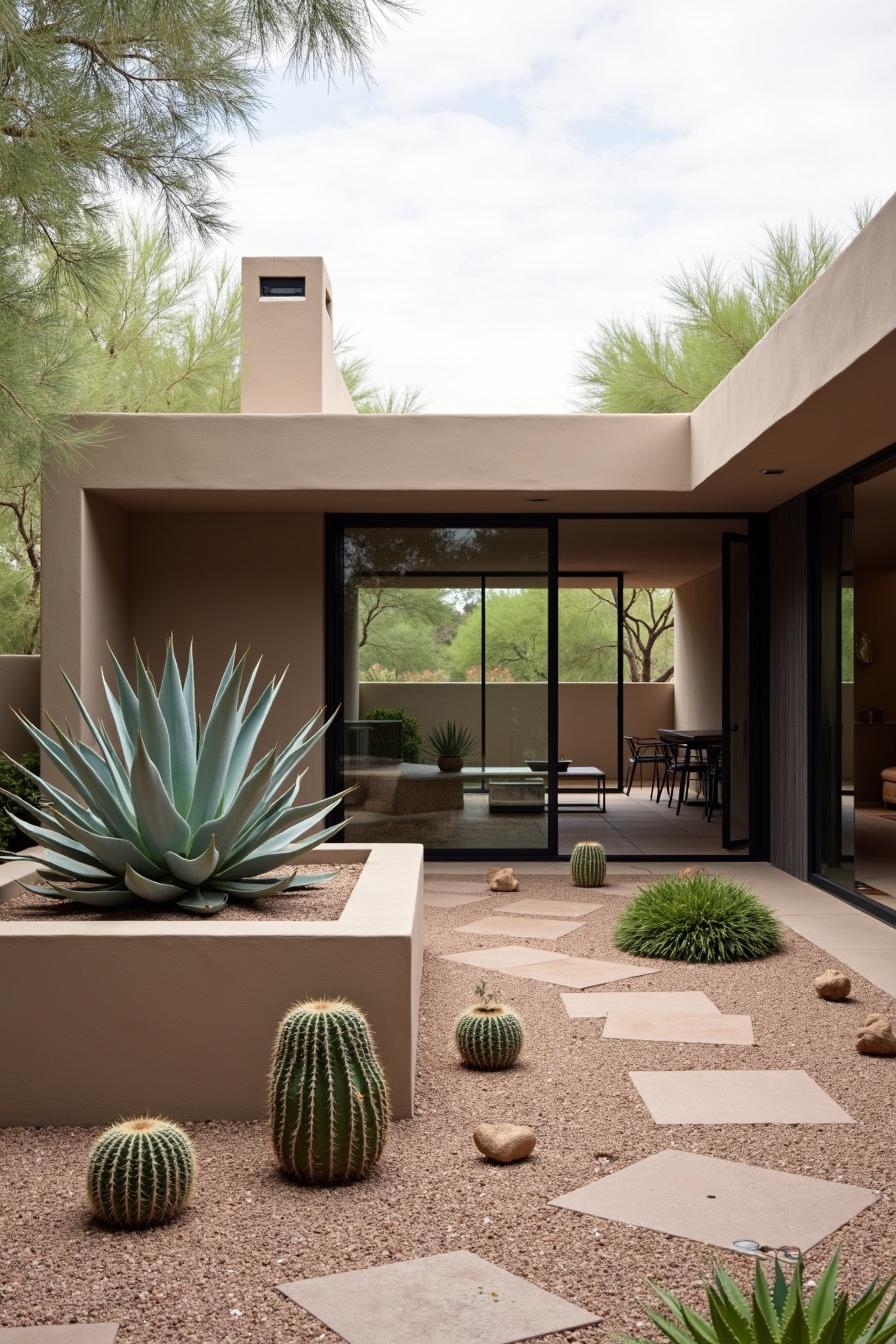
x,y
288,365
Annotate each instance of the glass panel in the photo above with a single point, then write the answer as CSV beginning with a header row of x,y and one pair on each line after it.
x,y
833,532
445,686
736,693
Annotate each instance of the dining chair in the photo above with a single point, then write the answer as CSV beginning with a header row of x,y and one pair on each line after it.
x,y
644,751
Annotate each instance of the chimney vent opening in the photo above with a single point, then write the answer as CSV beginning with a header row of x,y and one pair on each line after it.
x,y
282,287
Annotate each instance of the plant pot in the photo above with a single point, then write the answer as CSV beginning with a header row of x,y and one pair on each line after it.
x,y
450,765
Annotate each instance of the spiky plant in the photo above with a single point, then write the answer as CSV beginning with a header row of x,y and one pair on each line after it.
x,y
698,918
450,739
140,1172
328,1101
778,1313
488,1035
588,864
175,814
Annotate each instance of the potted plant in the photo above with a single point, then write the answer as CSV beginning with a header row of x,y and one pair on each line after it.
x,y
450,742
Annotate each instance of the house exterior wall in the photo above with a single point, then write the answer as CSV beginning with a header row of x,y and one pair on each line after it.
x,y
788,688
698,652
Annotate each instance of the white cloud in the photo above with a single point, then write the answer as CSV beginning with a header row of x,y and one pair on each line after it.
x,y
523,170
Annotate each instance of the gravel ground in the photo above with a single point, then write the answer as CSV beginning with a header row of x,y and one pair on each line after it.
x,y
324,902
210,1277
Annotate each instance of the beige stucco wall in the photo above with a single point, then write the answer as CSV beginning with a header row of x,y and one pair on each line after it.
x,y
254,580
19,690
517,715
698,652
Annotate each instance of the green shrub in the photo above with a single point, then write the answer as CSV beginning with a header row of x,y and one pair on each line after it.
x,y
411,741
698,918
13,780
779,1312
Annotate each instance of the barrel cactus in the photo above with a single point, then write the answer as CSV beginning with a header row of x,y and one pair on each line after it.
x,y
588,865
140,1172
488,1034
175,814
328,1100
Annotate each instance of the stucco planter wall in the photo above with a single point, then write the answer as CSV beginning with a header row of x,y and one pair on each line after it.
x,y
101,1019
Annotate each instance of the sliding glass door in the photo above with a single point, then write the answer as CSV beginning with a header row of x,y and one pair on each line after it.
x,y
443,643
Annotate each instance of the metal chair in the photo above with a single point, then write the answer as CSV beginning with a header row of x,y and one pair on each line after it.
x,y
644,751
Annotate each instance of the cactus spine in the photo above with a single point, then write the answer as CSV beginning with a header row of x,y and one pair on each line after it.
x,y
588,865
488,1034
140,1172
328,1100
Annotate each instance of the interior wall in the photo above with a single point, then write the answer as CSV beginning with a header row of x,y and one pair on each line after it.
x,y
251,579
517,715
104,587
875,682
698,652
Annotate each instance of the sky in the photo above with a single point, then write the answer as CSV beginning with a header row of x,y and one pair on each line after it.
x,y
519,171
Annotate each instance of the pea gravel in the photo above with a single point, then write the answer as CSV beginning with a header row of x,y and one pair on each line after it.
x,y
210,1277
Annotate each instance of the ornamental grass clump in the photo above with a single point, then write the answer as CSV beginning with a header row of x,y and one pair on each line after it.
x,y
778,1312
703,918
175,814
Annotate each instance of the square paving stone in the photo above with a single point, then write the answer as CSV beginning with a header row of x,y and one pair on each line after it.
x,y
58,1334
717,1202
449,900
638,1000
580,972
503,958
692,1028
457,1298
479,889
571,909
737,1097
509,926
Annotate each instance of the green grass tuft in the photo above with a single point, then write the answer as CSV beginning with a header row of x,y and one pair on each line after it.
x,y
699,918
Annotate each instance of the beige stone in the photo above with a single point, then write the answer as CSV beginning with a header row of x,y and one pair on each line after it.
x,y
504,1143
876,1037
833,985
692,870
502,879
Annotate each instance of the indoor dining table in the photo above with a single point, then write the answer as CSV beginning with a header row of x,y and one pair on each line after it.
x,y
692,739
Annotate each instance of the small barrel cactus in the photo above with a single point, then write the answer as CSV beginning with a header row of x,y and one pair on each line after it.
x,y
328,1100
488,1035
140,1172
588,865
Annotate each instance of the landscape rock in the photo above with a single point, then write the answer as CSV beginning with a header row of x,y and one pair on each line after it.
x,y
693,870
502,879
504,1143
833,985
876,1037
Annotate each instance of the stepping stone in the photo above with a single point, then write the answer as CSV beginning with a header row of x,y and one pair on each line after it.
x,y
58,1334
599,1005
449,900
580,972
719,1203
695,1028
572,909
457,1298
508,926
737,1097
502,958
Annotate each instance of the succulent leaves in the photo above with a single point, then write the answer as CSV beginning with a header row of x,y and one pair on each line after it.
x,y
174,813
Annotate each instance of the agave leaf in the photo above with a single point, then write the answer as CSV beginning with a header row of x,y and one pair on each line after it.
x,y
153,728
667,1326
203,902
190,697
252,889
293,755
194,872
728,1288
310,880
103,801
217,745
73,869
280,835
821,1305
161,825
862,1311
112,851
129,708
277,826
765,1318
228,672
881,1331
99,897
180,734
52,839
118,767
833,1329
246,739
701,1330
227,828
262,863
728,1325
148,890
60,800
795,1329
125,741
779,1291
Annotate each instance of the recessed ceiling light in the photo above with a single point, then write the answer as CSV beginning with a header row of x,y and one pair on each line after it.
x,y
771,471
538,499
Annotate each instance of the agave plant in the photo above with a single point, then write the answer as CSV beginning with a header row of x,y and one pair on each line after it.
x,y
450,739
778,1313
176,813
